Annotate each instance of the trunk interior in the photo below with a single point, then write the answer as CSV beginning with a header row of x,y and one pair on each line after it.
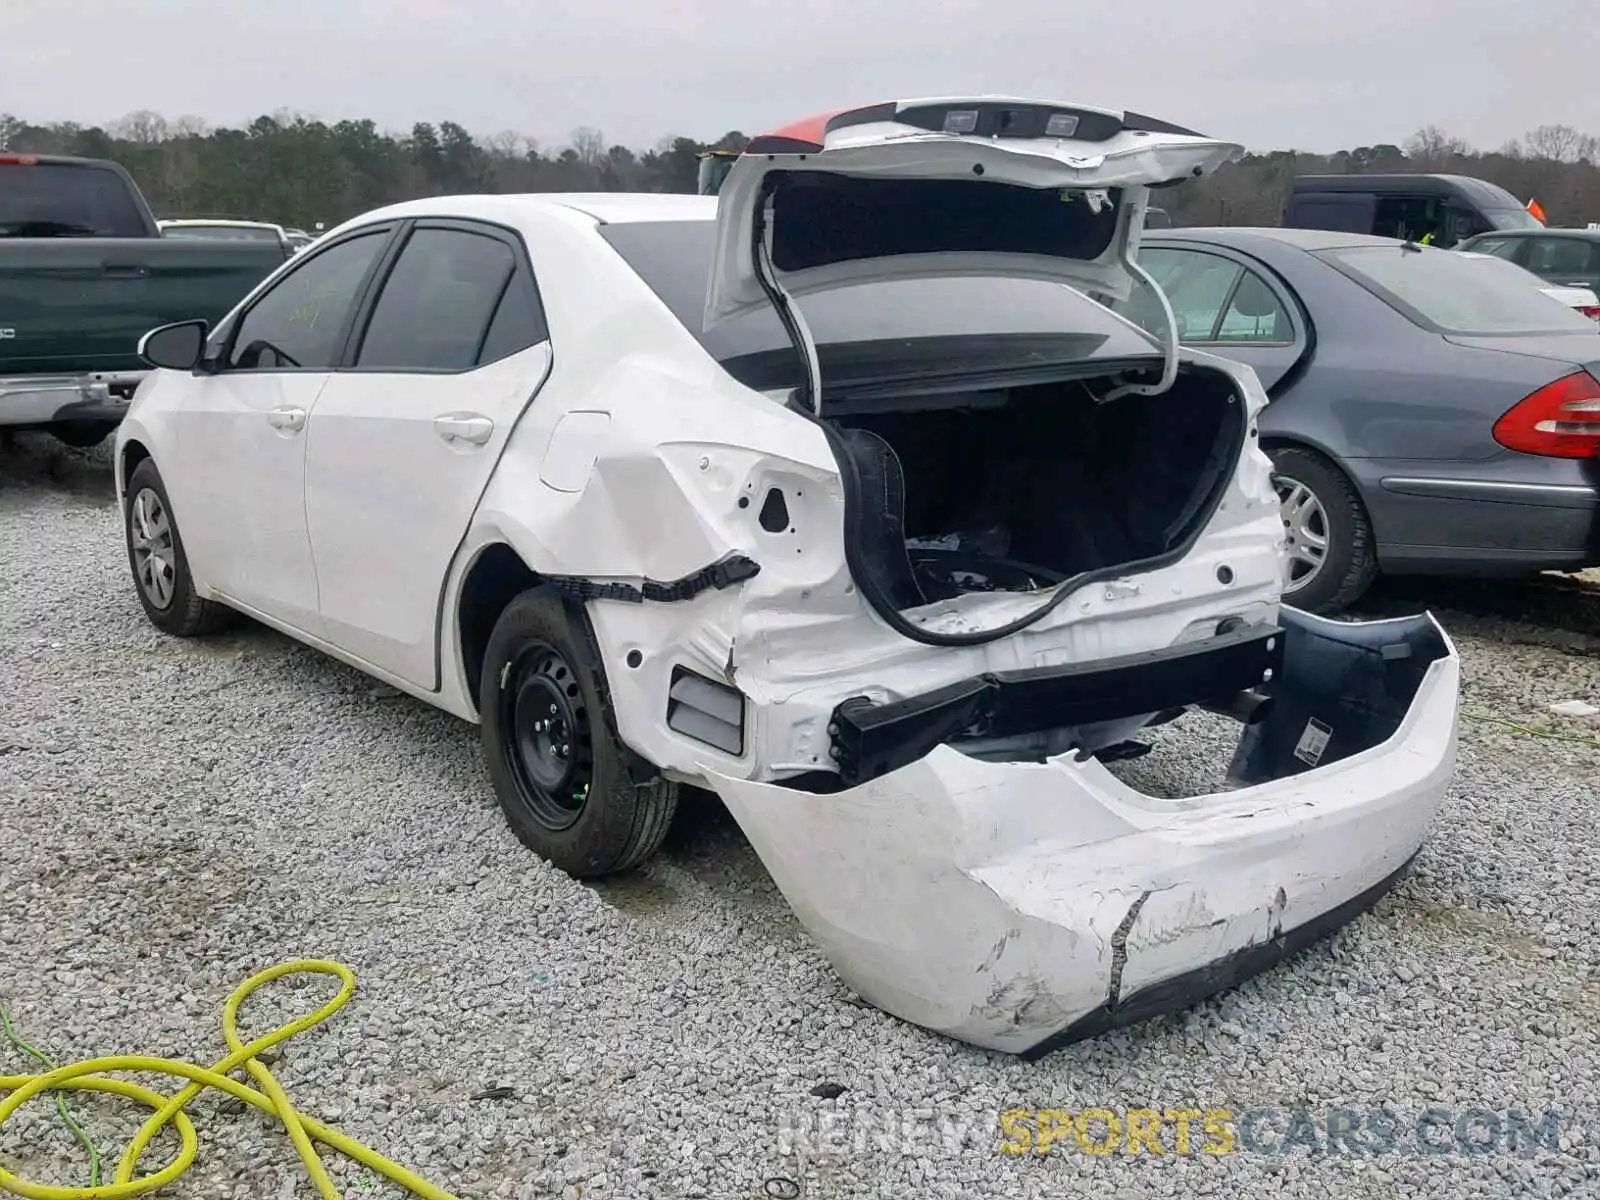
x,y
1024,488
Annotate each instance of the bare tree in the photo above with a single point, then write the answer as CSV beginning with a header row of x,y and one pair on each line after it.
x,y
589,145
1555,143
1431,147
508,143
144,127
10,127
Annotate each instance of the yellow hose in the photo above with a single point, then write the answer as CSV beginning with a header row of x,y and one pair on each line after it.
x,y
271,1099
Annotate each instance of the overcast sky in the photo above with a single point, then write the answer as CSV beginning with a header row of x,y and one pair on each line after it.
x,y
1268,73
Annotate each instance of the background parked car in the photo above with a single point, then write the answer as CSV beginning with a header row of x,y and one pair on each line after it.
x,y
227,230
1583,299
1559,256
1427,416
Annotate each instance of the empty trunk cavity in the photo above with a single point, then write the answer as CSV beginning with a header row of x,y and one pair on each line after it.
x,y
1022,489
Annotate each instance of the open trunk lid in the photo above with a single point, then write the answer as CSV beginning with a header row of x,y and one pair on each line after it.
x,y
991,186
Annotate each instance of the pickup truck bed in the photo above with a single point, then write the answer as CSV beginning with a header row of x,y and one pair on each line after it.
x,y
74,302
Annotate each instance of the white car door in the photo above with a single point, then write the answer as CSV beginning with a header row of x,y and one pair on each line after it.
x,y
403,441
240,448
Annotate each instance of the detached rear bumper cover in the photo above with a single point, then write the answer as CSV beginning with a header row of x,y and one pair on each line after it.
x,y
1021,906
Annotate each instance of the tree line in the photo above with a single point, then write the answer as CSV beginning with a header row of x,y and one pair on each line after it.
x,y
301,172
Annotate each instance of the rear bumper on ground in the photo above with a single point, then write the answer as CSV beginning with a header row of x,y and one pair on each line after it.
x,y
1021,906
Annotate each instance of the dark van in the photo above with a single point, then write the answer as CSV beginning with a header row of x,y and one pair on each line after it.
x,y
1411,207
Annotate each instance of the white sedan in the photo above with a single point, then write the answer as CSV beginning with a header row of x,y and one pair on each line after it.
x,y
823,495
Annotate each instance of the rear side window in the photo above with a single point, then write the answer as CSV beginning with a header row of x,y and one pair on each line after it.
x,y
1197,285
60,200
438,307
1566,260
1448,292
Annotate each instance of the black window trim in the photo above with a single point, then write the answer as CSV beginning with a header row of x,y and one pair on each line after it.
x,y
219,363
1298,324
368,300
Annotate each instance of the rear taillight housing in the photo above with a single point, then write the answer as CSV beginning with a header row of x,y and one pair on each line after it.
x,y
19,160
1560,420
1592,311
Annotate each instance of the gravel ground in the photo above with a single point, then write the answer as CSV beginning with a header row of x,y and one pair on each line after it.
x,y
175,816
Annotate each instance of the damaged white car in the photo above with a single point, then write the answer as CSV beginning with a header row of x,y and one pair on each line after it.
x,y
836,496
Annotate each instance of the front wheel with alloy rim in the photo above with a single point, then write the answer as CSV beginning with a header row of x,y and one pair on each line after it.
x,y
1329,555
569,788
160,567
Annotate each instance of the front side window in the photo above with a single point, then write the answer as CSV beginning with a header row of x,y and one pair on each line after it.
x,y
298,322
1449,292
435,309
1499,247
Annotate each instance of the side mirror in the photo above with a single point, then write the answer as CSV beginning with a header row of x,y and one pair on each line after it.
x,y
175,347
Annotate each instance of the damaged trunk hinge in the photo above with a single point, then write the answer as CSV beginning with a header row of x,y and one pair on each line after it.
x,y
809,394
1169,340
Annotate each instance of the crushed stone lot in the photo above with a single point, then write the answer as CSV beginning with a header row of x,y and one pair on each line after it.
x,y
175,816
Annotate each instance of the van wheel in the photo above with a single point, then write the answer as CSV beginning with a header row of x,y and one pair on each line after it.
x,y
160,567
571,791
1331,557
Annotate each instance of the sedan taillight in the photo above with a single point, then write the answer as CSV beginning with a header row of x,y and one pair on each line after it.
x,y
1592,311
1560,420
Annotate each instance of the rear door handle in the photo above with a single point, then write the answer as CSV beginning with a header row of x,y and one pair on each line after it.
x,y
292,419
123,270
463,427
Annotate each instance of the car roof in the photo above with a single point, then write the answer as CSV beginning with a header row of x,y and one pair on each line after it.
x,y
1242,235
1587,235
225,222
609,208
1480,191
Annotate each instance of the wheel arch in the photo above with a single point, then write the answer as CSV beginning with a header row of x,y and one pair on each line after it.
x,y
131,453
495,577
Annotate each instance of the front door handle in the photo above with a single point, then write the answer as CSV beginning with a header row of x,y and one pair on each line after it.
x,y
463,427
291,419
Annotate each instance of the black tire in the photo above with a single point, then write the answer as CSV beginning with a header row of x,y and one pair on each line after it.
x,y
595,808
183,614
81,435
1351,562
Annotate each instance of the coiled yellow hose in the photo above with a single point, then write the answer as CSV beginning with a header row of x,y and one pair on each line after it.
x,y
271,1099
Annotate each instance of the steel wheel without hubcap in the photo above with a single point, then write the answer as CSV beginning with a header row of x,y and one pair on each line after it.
x,y
150,538
1305,531
544,732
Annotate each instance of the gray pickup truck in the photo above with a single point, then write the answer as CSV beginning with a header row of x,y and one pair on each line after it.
x,y
84,273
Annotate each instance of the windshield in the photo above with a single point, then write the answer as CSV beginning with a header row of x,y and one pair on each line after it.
x,y
66,200
974,323
1449,292
1512,218
227,233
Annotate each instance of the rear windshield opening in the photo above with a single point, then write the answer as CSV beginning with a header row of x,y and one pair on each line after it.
x,y
61,200
963,323
1449,292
